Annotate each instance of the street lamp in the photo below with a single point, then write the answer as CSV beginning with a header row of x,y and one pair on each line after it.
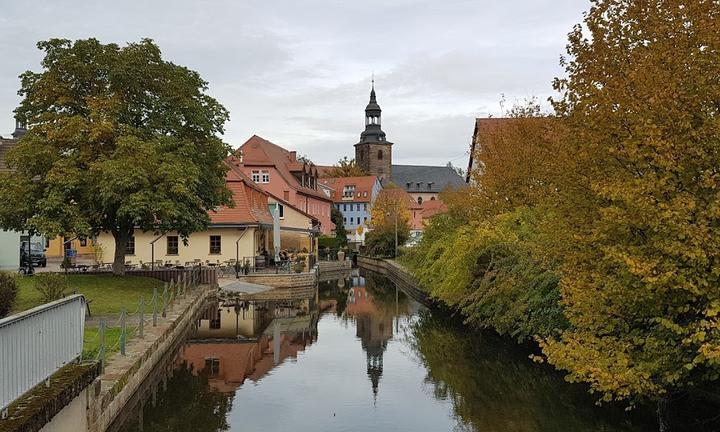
x,y
396,229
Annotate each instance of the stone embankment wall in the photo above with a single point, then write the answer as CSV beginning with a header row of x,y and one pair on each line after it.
x,y
399,275
287,280
334,266
123,375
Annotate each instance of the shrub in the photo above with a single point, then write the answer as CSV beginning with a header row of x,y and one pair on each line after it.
x,y
382,243
8,292
51,286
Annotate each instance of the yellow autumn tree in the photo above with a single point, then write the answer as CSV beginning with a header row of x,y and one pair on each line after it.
x,y
390,218
641,279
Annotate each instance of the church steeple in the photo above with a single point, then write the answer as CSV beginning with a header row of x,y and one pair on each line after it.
x,y
20,129
373,152
373,132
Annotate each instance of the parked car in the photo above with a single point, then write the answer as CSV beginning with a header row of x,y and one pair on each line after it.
x,y
37,255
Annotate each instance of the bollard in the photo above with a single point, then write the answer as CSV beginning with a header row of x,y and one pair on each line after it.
x,y
123,330
142,317
154,302
165,294
101,353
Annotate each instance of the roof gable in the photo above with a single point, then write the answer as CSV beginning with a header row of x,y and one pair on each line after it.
x,y
258,151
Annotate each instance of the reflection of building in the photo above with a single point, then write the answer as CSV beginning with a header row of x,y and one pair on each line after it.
x,y
247,340
374,327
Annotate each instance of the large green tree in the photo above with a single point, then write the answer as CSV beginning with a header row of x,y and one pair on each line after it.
x,y
642,256
118,139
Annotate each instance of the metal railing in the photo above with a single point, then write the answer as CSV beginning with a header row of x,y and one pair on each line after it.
x,y
36,343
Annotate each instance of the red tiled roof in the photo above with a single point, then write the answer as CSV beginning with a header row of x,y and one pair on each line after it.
x,y
363,187
258,151
251,205
432,207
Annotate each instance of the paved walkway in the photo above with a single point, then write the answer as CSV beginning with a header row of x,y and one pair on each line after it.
x,y
234,286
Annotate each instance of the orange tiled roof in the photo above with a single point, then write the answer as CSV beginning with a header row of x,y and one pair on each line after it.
x,y
251,204
363,187
258,151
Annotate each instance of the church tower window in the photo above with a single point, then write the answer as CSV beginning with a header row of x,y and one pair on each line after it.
x,y
380,154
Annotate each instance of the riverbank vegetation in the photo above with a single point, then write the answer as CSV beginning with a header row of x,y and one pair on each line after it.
x,y
593,229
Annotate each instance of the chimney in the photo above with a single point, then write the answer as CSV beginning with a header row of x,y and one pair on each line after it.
x,y
293,156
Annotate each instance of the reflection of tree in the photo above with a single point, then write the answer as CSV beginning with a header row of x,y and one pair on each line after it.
x,y
495,387
189,404
330,290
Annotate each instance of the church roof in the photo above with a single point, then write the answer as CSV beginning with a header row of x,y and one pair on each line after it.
x,y
422,178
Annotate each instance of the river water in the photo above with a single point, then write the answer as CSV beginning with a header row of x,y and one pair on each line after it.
x,y
358,356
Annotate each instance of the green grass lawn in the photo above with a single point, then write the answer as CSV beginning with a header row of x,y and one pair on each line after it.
x,y
91,342
107,294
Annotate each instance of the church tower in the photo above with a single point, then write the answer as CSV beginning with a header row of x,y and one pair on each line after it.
x,y
373,153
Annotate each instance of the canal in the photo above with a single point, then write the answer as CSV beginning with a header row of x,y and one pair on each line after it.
x,y
358,356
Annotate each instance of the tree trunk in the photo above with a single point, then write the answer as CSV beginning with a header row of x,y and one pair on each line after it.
x,y
121,239
662,415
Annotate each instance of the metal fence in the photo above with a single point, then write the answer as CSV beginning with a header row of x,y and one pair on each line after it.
x,y
36,343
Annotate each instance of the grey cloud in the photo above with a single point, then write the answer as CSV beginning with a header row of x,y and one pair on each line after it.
x,y
298,73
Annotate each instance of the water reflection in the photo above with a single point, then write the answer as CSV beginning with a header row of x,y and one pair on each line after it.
x,y
357,356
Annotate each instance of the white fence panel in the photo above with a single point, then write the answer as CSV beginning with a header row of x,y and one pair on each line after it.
x,y
36,343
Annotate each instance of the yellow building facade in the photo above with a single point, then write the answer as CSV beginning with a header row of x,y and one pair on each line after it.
x,y
216,244
56,247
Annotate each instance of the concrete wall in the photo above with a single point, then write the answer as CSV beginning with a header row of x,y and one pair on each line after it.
x,y
72,418
198,246
9,250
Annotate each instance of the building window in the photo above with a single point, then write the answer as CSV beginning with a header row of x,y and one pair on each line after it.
x,y
215,322
265,177
348,191
130,247
358,220
365,194
256,176
365,206
432,198
215,244
344,220
212,365
365,219
344,207
83,241
172,245
281,210
419,200
380,154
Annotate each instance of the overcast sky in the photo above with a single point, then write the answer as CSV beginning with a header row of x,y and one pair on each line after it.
x,y
298,72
